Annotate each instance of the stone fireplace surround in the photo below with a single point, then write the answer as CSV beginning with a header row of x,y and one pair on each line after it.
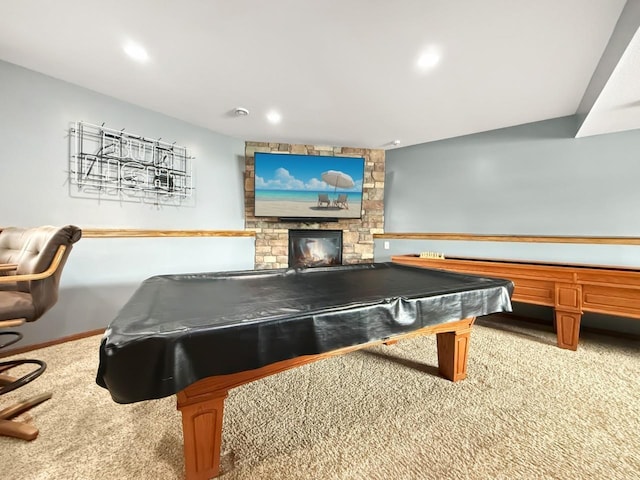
x,y
272,235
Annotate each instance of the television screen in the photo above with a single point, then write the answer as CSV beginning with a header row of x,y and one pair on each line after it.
x,y
308,186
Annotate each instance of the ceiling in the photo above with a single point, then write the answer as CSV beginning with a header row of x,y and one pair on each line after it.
x,y
340,72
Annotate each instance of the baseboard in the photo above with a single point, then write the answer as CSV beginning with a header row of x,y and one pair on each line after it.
x,y
583,328
78,336
57,341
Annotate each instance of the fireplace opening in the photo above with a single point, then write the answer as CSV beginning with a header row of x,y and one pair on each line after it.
x,y
315,248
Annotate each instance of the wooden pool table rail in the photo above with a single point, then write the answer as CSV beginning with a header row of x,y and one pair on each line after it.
x,y
202,403
570,289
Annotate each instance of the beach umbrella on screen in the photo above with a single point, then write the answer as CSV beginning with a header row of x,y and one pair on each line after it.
x,y
337,179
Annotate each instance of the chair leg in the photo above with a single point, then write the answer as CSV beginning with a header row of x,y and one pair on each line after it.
x,y
6,379
9,425
19,382
16,337
13,428
24,431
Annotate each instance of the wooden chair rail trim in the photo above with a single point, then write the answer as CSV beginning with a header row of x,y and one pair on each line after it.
x,y
27,277
136,233
510,238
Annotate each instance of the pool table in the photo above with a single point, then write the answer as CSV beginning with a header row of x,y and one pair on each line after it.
x,y
199,335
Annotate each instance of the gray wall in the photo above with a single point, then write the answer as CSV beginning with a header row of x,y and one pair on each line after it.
x,y
533,179
36,112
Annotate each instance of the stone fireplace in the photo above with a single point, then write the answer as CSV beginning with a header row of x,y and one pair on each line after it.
x,y
315,248
272,234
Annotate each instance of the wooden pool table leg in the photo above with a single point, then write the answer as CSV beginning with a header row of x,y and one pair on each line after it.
x,y
202,431
567,326
202,403
453,349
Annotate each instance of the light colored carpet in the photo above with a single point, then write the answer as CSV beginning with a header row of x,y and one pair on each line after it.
x,y
528,410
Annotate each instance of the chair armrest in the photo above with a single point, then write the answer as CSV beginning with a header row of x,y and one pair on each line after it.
x,y
11,323
27,277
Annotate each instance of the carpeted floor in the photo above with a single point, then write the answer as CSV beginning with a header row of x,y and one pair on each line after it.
x,y
528,410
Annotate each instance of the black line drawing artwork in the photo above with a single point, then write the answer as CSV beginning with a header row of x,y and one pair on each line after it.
x,y
114,164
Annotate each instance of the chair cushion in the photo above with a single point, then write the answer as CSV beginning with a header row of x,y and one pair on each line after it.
x,y
15,305
33,250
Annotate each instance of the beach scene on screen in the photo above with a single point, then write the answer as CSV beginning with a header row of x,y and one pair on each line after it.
x,y
308,186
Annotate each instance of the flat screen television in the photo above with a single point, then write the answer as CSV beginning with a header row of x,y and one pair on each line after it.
x,y
308,186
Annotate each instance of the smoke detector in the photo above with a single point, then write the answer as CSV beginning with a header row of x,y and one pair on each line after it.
x,y
241,112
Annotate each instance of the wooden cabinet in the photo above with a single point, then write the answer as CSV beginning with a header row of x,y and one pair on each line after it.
x,y
570,289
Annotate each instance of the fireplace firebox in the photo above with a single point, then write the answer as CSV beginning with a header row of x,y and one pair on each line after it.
x,y
315,248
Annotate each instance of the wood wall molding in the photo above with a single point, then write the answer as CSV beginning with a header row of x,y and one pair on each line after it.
x,y
129,233
137,233
510,238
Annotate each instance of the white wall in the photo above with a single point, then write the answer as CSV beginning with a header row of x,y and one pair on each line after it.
x,y
36,113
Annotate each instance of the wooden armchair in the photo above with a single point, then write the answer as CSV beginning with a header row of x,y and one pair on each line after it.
x,y
31,263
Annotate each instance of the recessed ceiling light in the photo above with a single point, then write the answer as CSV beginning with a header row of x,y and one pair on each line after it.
x,y
136,51
428,60
396,142
274,117
241,112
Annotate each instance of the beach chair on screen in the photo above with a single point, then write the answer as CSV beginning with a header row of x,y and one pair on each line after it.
x,y
341,201
323,199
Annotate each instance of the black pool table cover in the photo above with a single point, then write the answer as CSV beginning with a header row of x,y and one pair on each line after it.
x,y
178,329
